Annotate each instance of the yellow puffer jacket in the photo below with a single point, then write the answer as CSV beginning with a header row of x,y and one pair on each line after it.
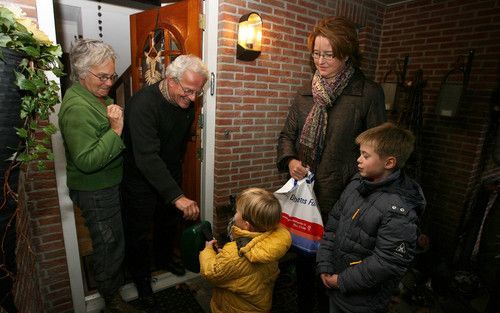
x,y
243,280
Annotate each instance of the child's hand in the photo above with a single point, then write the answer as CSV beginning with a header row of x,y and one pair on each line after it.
x,y
423,241
330,281
212,244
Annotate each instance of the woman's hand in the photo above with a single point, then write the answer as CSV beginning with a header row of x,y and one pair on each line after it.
x,y
330,281
115,117
297,171
188,207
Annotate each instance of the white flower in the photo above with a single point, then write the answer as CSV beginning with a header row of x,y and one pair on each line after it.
x,y
20,17
32,28
17,11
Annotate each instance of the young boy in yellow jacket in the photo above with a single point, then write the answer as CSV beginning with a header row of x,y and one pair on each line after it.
x,y
244,271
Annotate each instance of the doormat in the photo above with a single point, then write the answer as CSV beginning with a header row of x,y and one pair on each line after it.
x,y
173,300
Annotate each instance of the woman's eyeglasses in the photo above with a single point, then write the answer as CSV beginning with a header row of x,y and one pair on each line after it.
x,y
326,56
190,92
104,78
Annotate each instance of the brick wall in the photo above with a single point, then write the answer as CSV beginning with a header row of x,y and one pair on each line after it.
x,y
254,97
27,286
368,16
253,100
47,242
434,34
42,283
28,6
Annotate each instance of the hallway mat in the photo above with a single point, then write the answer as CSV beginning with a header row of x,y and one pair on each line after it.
x,y
174,299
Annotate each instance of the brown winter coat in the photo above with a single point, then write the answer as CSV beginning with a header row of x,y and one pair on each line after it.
x,y
359,107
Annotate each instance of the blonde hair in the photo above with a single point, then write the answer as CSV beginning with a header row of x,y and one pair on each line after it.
x,y
342,35
389,140
260,208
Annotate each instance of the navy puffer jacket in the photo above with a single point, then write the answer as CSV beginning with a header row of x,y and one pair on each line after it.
x,y
370,240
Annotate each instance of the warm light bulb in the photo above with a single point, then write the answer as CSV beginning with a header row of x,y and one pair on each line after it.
x,y
249,37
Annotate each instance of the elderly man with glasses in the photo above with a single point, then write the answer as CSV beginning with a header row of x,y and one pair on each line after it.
x,y
157,123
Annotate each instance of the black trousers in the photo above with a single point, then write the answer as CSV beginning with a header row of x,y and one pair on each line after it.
x,y
311,296
101,210
150,228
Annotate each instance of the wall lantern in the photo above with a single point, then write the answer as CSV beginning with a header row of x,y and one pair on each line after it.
x,y
249,37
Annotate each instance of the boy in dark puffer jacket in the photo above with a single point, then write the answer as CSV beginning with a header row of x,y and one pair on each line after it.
x,y
371,233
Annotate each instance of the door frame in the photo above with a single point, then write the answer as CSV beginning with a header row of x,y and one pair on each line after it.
x,y
209,55
94,303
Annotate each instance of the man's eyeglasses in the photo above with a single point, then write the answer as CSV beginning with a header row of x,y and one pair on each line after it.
x,y
326,56
190,92
104,78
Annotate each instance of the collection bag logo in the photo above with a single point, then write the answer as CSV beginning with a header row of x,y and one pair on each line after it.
x,y
300,213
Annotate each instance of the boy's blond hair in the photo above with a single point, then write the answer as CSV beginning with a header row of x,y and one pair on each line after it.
x,y
260,208
389,140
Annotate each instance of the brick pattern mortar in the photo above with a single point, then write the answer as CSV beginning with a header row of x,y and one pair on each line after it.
x,y
42,281
433,34
253,100
253,97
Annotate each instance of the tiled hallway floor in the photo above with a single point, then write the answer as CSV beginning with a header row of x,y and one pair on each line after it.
x,y
285,300
410,300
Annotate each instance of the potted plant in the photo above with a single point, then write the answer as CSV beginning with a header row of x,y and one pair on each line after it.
x,y
27,96
38,55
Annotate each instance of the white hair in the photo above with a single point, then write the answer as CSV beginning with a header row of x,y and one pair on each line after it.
x,y
186,62
86,53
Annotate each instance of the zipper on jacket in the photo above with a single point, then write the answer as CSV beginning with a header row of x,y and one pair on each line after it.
x,y
355,214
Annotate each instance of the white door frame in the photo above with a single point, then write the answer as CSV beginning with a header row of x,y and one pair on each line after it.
x,y
210,44
94,303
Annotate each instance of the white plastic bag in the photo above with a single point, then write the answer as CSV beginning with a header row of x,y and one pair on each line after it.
x,y
300,213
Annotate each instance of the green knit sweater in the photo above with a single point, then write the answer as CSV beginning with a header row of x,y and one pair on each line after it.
x,y
93,149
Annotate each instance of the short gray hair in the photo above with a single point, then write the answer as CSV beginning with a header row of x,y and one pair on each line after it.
x,y
186,62
86,53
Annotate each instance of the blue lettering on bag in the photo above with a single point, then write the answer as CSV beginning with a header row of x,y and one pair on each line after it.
x,y
295,199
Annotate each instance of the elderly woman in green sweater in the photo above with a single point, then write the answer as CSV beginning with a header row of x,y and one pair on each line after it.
x,y
91,126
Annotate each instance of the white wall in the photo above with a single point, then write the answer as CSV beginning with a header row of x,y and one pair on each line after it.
x,y
115,25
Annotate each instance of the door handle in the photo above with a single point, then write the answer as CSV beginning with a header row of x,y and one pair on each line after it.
x,y
212,83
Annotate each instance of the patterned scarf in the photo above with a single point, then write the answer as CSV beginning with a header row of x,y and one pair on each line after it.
x,y
312,138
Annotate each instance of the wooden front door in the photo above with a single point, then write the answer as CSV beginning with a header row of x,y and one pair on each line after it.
x,y
158,36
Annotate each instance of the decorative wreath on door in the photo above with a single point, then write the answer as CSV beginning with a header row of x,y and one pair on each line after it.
x,y
153,59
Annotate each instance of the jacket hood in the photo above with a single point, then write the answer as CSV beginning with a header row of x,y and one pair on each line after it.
x,y
262,247
397,183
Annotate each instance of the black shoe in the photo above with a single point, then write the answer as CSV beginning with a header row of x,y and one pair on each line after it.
x,y
175,267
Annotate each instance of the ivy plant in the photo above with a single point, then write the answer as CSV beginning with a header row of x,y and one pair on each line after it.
x,y
39,94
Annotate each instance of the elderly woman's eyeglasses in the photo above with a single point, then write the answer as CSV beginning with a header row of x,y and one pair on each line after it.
x,y
326,56
190,92
104,78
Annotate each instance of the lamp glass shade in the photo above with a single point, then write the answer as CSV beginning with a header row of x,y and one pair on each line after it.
x,y
249,37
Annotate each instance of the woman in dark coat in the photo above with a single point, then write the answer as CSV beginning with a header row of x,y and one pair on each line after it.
x,y
322,125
